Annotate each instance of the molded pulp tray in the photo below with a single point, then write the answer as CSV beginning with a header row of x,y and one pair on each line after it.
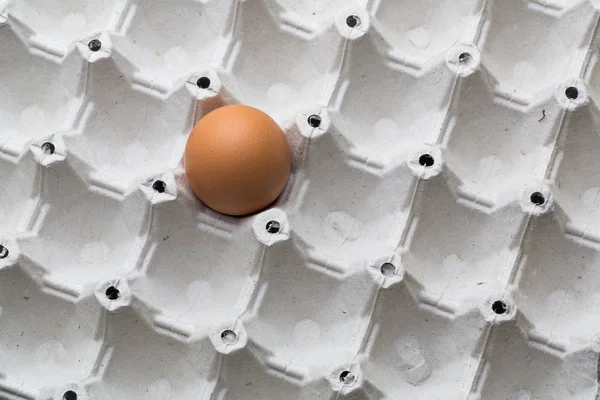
x,y
438,239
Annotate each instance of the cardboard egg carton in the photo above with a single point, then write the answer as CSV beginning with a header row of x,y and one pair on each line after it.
x,y
437,239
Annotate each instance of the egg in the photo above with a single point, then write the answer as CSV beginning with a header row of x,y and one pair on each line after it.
x,y
237,160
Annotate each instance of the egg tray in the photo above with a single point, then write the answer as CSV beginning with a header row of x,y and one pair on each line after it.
x,y
438,237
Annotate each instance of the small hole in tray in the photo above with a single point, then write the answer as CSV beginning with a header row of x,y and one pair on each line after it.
x,y
112,293
426,160
70,395
347,377
3,252
95,45
273,226
314,121
464,57
48,148
499,307
203,82
228,336
572,93
537,198
388,269
159,186
353,21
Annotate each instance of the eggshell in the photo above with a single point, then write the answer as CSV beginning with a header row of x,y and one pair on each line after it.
x,y
237,160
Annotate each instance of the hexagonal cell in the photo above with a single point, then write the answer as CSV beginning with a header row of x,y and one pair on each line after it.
x,y
457,251
244,375
128,129
494,147
39,96
552,44
306,313
410,351
19,193
346,204
556,287
577,189
66,20
548,376
85,236
409,110
274,69
46,341
202,268
187,41
427,28
140,363
316,13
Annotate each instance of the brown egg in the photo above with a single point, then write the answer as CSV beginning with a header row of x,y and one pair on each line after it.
x,y
237,160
